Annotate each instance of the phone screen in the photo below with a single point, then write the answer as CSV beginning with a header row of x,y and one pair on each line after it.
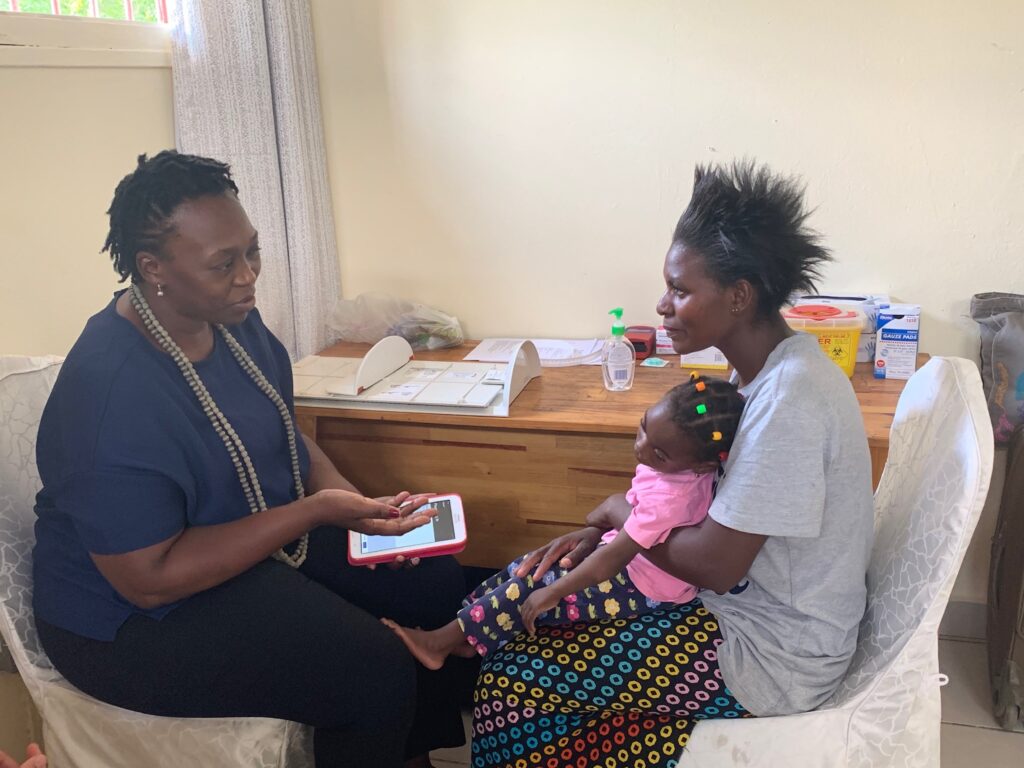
x,y
440,528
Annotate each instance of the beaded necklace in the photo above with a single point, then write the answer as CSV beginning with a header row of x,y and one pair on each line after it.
x,y
232,442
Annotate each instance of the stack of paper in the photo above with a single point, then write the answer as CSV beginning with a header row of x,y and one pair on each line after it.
x,y
552,352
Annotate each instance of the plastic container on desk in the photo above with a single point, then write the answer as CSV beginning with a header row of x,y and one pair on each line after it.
x,y
837,329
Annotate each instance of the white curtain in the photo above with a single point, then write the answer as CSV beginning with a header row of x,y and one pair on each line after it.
x,y
245,92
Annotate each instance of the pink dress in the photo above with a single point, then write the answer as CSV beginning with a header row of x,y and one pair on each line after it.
x,y
661,503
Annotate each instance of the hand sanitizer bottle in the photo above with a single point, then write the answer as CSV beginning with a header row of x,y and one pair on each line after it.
x,y
618,357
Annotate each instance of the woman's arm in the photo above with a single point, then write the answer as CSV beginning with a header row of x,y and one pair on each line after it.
x,y
201,557
605,563
707,554
571,549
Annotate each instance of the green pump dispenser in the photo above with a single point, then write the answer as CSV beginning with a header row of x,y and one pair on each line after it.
x,y
618,327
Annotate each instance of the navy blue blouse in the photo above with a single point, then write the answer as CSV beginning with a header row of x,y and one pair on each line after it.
x,y
128,459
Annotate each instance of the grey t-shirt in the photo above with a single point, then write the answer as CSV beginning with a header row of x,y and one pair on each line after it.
x,y
799,472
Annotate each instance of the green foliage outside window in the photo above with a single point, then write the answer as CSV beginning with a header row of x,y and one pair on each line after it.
x,y
142,10
35,6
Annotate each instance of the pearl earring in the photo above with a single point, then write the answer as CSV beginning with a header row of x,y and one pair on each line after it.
x,y
735,310
160,290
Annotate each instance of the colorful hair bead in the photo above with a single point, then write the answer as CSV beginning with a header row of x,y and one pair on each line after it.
x,y
694,375
701,386
723,456
716,436
702,409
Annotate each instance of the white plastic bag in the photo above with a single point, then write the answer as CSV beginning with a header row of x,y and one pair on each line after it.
x,y
370,317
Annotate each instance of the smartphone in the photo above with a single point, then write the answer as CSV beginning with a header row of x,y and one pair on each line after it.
x,y
445,534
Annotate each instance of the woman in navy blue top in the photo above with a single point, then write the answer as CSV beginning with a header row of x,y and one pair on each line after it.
x,y
190,556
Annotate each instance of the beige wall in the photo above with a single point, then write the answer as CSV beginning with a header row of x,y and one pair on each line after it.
x,y
74,121
522,164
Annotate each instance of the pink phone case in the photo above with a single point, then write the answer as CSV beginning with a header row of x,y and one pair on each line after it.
x,y
450,549
428,551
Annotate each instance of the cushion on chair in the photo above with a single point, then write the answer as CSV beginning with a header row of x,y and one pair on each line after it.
x,y
25,384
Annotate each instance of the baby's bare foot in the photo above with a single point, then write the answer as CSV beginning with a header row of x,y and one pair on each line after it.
x,y
422,644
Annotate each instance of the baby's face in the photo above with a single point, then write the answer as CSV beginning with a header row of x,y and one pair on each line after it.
x,y
661,445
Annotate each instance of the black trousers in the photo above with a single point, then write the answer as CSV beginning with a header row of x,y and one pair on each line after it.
x,y
298,645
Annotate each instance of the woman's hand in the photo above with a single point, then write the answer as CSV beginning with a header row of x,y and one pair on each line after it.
x,y
371,516
568,551
404,501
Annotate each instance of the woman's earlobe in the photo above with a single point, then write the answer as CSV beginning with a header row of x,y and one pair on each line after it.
x,y
743,295
146,264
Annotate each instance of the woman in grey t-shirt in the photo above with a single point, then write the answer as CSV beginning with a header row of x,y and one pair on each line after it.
x,y
783,553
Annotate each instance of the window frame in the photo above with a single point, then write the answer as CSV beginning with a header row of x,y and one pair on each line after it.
x,y
37,40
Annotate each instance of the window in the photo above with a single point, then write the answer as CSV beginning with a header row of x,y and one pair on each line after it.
x,y
147,11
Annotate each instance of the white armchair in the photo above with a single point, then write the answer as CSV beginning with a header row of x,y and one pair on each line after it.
x,y
886,713
80,732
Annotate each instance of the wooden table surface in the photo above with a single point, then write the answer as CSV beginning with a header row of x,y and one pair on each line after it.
x,y
573,399
535,474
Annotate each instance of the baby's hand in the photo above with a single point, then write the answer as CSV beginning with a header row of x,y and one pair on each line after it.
x,y
543,599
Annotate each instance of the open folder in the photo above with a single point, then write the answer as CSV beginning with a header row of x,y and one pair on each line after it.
x,y
389,378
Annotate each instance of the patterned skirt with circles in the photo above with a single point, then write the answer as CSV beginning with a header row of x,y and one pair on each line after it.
x,y
616,693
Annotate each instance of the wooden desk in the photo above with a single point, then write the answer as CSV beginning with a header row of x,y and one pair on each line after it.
x,y
565,446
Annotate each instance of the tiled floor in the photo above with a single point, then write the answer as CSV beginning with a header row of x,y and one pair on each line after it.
x,y
970,736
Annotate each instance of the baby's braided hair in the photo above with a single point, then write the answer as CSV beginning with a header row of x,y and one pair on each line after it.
x,y
145,199
708,410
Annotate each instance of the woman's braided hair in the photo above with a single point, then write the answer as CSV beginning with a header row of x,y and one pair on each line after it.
x,y
708,410
145,199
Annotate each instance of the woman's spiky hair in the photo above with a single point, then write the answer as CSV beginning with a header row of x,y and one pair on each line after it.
x,y
749,223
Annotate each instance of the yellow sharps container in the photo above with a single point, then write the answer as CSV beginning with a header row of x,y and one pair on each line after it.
x,y
837,329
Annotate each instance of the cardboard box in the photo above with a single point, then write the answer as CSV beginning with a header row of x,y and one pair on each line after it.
x,y
896,342
711,358
662,343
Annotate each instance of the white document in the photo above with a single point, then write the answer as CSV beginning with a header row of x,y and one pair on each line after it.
x,y
461,376
550,351
398,392
423,373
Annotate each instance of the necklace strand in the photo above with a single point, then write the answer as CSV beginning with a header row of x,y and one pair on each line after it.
x,y
232,442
